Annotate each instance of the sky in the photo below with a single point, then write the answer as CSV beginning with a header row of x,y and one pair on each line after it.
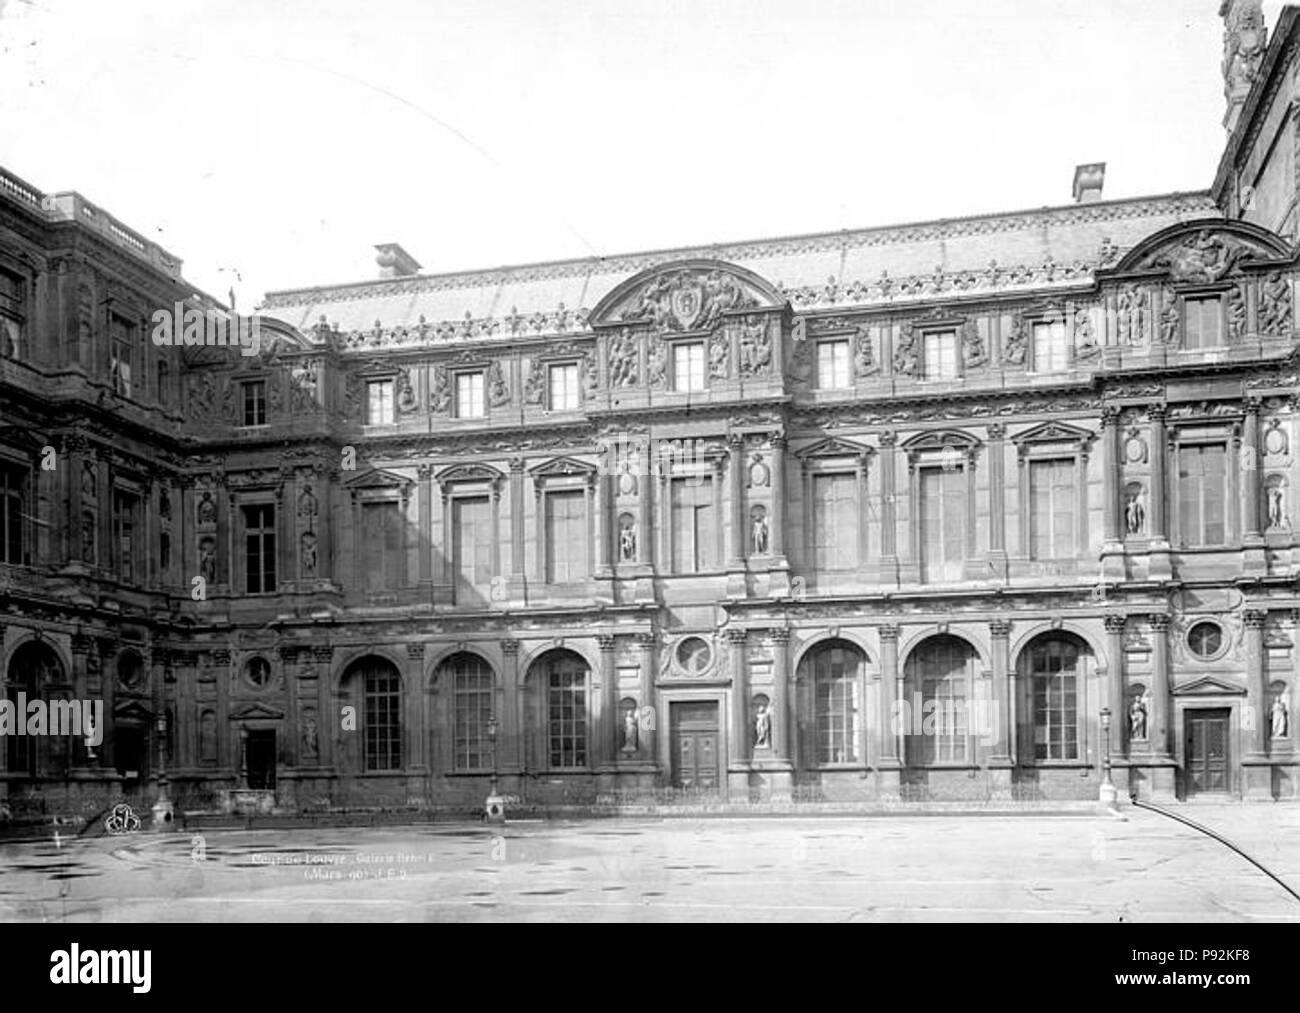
x,y
272,143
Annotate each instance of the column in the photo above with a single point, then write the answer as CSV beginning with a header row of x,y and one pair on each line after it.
x,y
598,504
736,467
998,500
415,748
1156,495
890,756
511,753
328,717
1110,479
1248,468
861,472
888,508
425,474
82,645
1003,703
647,476
1115,625
1159,719
783,739
649,734
290,747
607,730
227,758
740,735
777,534
1258,729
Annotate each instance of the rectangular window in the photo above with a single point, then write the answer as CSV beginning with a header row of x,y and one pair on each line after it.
x,y
472,548
383,717
940,355
1202,494
1203,322
566,537
382,530
943,524
380,402
835,522
259,546
688,366
692,524
164,381
125,507
566,706
469,395
833,365
122,340
13,489
254,402
1053,495
1051,355
13,311
563,388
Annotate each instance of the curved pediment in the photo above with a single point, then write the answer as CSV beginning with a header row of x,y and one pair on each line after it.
x,y
1204,251
940,440
469,473
562,467
686,295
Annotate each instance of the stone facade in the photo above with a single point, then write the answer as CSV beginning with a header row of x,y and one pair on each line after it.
x,y
888,514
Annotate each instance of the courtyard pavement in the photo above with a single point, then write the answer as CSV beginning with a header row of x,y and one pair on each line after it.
x,y
851,869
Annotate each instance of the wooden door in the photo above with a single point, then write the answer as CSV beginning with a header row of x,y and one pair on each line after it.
x,y
695,745
1206,755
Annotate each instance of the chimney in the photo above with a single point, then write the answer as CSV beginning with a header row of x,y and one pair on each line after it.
x,y
1088,182
394,262
1245,38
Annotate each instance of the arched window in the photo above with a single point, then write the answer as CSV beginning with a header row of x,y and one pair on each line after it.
x,y
470,679
33,669
1052,666
936,678
835,669
561,679
381,712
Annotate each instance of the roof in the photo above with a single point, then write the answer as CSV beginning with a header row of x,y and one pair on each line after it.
x,y
987,253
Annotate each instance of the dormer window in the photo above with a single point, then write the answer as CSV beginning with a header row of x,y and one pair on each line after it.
x,y
1051,353
939,353
379,401
469,395
1203,322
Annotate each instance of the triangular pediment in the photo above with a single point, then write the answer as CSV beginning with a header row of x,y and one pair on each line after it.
x,y
561,467
378,478
1209,685
685,295
256,711
833,447
1053,432
132,710
1204,251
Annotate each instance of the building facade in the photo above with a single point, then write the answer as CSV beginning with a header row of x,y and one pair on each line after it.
x,y
895,513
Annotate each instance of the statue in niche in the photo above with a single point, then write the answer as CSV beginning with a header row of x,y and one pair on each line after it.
x,y
207,509
208,559
1276,506
308,555
630,729
758,530
1280,715
763,727
627,539
88,480
1017,344
88,538
1135,511
310,745
302,388
307,503
1137,717
623,360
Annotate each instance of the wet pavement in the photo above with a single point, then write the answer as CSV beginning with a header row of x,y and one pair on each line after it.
x,y
897,868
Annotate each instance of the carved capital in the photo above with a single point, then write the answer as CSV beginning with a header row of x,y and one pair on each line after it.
x,y
81,643
510,647
415,651
1159,622
1254,618
1000,628
737,638
779,635
1115,624
889,438
322,655
889,631
997,431
645,641
288,654
221,656
606,643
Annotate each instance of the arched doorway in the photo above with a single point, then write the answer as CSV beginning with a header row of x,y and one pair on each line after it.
x,y
1050,674
833,672
937,685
